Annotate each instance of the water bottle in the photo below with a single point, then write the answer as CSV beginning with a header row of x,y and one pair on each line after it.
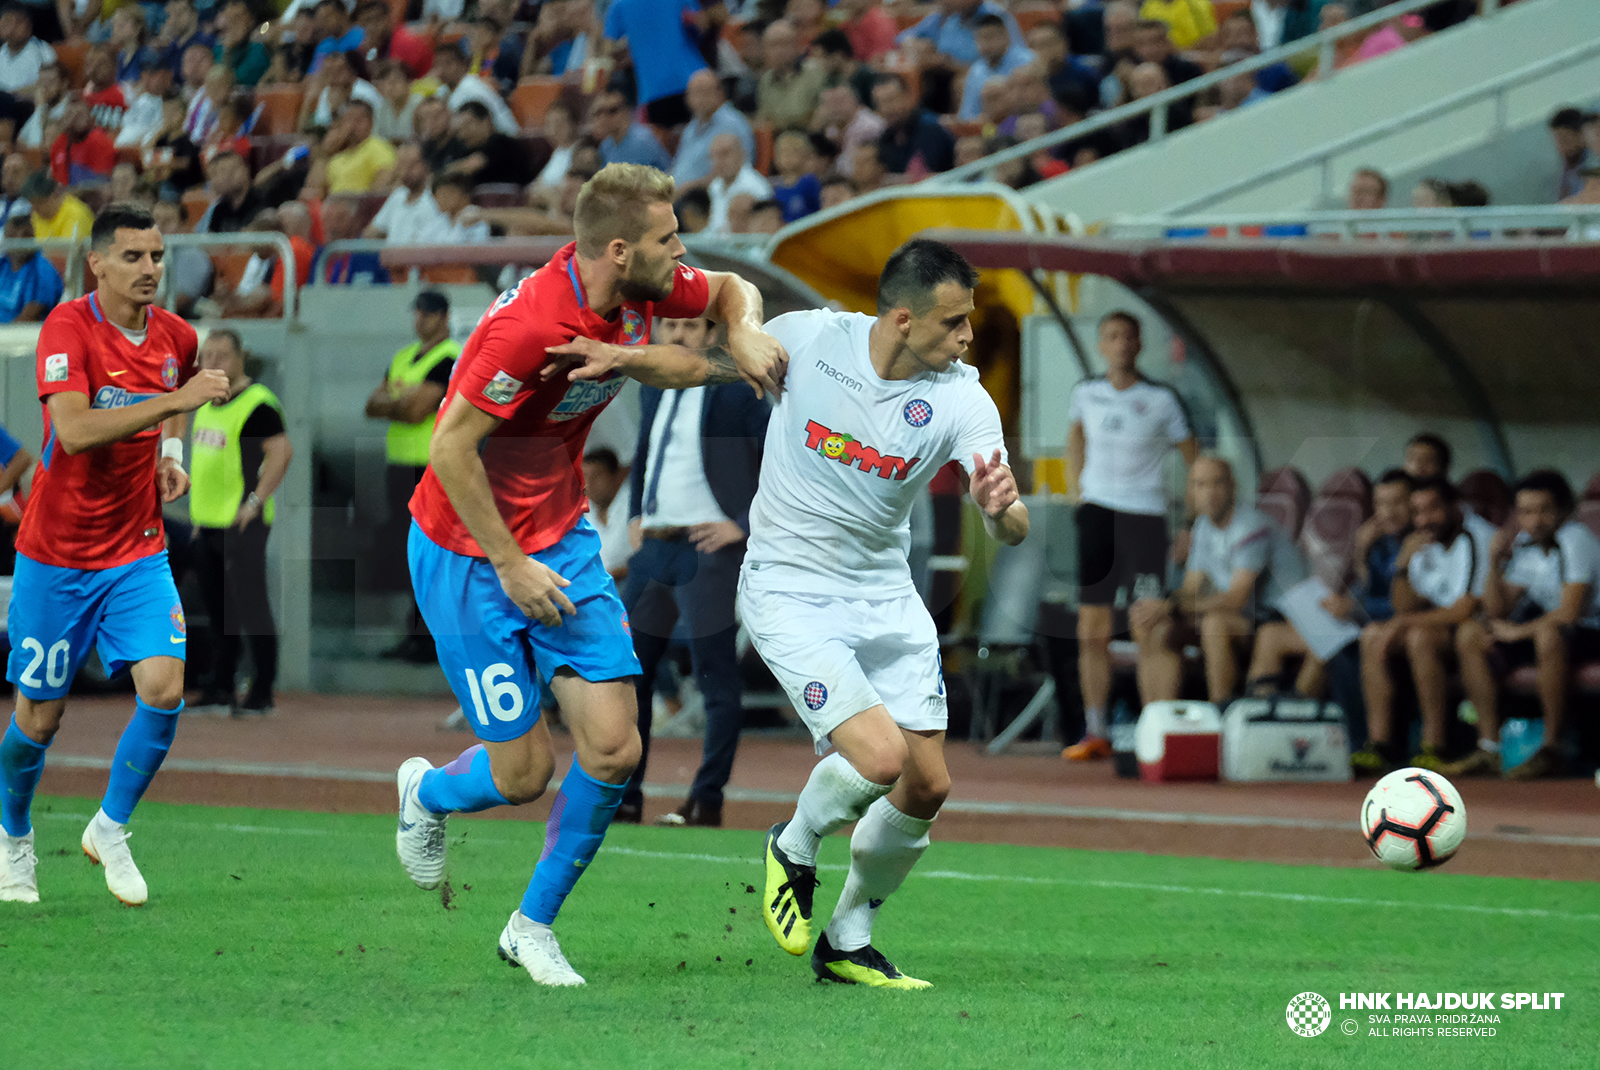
x,y
1123,723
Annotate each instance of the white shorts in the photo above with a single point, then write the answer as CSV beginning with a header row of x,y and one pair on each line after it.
x,y
836,657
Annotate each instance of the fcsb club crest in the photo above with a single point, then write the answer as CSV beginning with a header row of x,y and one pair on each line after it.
x,y
179,625
169,372
632,327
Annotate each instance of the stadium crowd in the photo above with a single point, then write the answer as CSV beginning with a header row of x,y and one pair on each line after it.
x,y
325,120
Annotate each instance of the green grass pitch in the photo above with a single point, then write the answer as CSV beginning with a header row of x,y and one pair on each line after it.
x,y
287,939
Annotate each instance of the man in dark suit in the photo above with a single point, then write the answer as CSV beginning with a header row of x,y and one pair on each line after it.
x,y
694,476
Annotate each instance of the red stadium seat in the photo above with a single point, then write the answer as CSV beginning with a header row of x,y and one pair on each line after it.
x,y
70,54
1486,494
763,159
1284,509
1329,538
280,109
1351,483
531,98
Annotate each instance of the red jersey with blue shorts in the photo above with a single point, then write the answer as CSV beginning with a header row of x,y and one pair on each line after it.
x,y
535,459
102,508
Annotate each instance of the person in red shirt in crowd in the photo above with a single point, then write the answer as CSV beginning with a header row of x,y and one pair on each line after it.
x,y
506,567
84,152
118,378
385,40
100,89
870,28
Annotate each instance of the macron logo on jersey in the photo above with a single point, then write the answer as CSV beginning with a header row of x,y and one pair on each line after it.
x,y
836,446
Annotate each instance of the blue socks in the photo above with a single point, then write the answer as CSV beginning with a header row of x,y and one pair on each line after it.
x,y
21,762
465,786
140,752
578,820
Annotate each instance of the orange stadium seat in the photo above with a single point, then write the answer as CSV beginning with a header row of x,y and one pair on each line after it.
x,y
532,97
70,55
1224,8
195,203
280,109
1029,17
230,267
763,158
907,19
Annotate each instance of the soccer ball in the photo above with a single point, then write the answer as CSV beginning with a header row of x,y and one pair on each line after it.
x,y
1413,819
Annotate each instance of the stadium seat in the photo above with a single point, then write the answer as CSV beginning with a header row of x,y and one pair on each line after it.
x,y
1284,509
70,54
1486,493
1292,485
229,266
280,109
1351,483
1036,15
1328,538
763,159
499,195
195,203
531,98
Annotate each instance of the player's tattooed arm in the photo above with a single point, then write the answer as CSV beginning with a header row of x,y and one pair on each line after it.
x,y
721,367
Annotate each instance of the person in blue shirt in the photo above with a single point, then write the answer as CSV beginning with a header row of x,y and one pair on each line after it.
x,y
997,57
951,31
339,34
797,191
30,286
621,139
662,37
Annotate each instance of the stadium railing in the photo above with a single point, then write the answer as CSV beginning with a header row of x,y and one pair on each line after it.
x,y
1568,223
1158,105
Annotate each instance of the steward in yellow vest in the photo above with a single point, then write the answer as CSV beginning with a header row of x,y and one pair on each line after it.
x,y
409,398
240,452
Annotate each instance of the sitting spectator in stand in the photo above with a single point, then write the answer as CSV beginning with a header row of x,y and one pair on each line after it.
x,y
30,285
948,36
561,40
1153,45
1017,173
621,139
1240,563
869,28
1279,22
693,210
788,90
56,213
237,48
835,191
1440,577
124,177
735,186
337,32
197,63
1146,80
764,217
188,269
392,119
914,143
410,214
1590,193
867,172
1029,94
480,154
795,186
143,117
170,159
83,152
127,44
343,78
1566,131
386,41
458,87
561,133
970,149
1438,193
1369,191
234,203
1188,21
996,59
1427,457
358,159
430,125
204,110
22,55
994,107
836,58
101,91
228,135
341,221
261,286
711,114
461,221
291,57
1032,125
14,172
843,120
49,106
1542,608
1237,35
180,28
664,57
1064,72
494,53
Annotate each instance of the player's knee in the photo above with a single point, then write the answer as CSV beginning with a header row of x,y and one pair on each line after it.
x,y
927,795
1217,627
612,757
1093,631
883,763
1549,642
1422,643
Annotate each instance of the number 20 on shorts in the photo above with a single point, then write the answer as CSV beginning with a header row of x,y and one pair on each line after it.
x,y
492,696
55,663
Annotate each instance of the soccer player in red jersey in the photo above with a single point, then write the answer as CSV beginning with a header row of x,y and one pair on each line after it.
x,y
118,378
507,569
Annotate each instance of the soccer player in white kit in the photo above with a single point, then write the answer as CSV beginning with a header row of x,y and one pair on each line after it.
x,y
873,407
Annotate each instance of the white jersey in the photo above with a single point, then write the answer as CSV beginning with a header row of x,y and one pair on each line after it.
x,y
847,453
1544,574
1127,434
1443,574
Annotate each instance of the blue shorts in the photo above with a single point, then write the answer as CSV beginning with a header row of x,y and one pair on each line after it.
x,y
129,613
493,654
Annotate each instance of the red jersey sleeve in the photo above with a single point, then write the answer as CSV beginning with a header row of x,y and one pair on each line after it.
x,y
691,293
63,356
506,353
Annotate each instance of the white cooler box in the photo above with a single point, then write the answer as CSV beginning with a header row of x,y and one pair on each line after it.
x,y
1177,741
1284,738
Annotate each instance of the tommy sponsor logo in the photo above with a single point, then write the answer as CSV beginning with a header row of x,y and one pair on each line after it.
x,y
837,446
55,368
834,373
502,388
114,397
583,396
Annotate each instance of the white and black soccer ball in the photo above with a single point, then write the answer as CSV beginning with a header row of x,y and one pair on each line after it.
x,y
1413,819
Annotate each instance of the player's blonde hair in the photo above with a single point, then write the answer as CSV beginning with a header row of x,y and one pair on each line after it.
x,y
615,204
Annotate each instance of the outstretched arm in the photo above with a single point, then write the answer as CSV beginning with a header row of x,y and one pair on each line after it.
x,y
79,427
994,489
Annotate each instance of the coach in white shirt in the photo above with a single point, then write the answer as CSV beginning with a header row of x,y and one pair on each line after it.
x,y
1439,580
1122,426
1542,608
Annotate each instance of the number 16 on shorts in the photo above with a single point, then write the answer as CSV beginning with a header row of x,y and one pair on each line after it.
x,y
497,699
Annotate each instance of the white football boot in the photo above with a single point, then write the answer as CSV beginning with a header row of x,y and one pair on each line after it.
x,y
18,883
420,840
106,844
534,948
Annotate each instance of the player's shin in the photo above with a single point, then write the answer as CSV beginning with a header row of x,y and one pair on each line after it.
x,y
582,810
140,752
464,786
885,845
834,795
21,762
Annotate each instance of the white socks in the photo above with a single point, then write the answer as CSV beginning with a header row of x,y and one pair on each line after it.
x,y
1094,722
834,796
886,844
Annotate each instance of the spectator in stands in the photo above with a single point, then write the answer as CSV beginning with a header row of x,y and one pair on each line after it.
x,y
336,31
22,55
914,143
463,224
950,33
127,44
994,106
1043,162
788,90
171,160
1439,579
237,48
341,80
794,186
1146,80
657,35
260,288
996,59
1427,457
694,211
836,189
1120,429
1153,45
358,159
56,213
124,176
711,114
1590,193
180,28
1369,191
735,186
205,109
496,53
197,63
870,29
1566,131
430,124
410,214
14,172
392,119
341,221
1029,94
234,203
83,152
30,286
188,270
1240,563
1065,73
1280,21
49,106
481,154
458,87
1119,26
843,120
867,171
836,58
143,117
1541,607
386,41
561,132
101,92
1188,21
291,56
562,39
621,139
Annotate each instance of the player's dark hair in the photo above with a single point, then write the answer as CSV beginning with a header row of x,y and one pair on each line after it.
x,y
1438,445
1549,481
1445,489
604,457
915,270
123,215
1394,475
231,335
989,20
475,108
1126,317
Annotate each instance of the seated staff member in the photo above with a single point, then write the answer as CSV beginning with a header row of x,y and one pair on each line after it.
x,y
1542,604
